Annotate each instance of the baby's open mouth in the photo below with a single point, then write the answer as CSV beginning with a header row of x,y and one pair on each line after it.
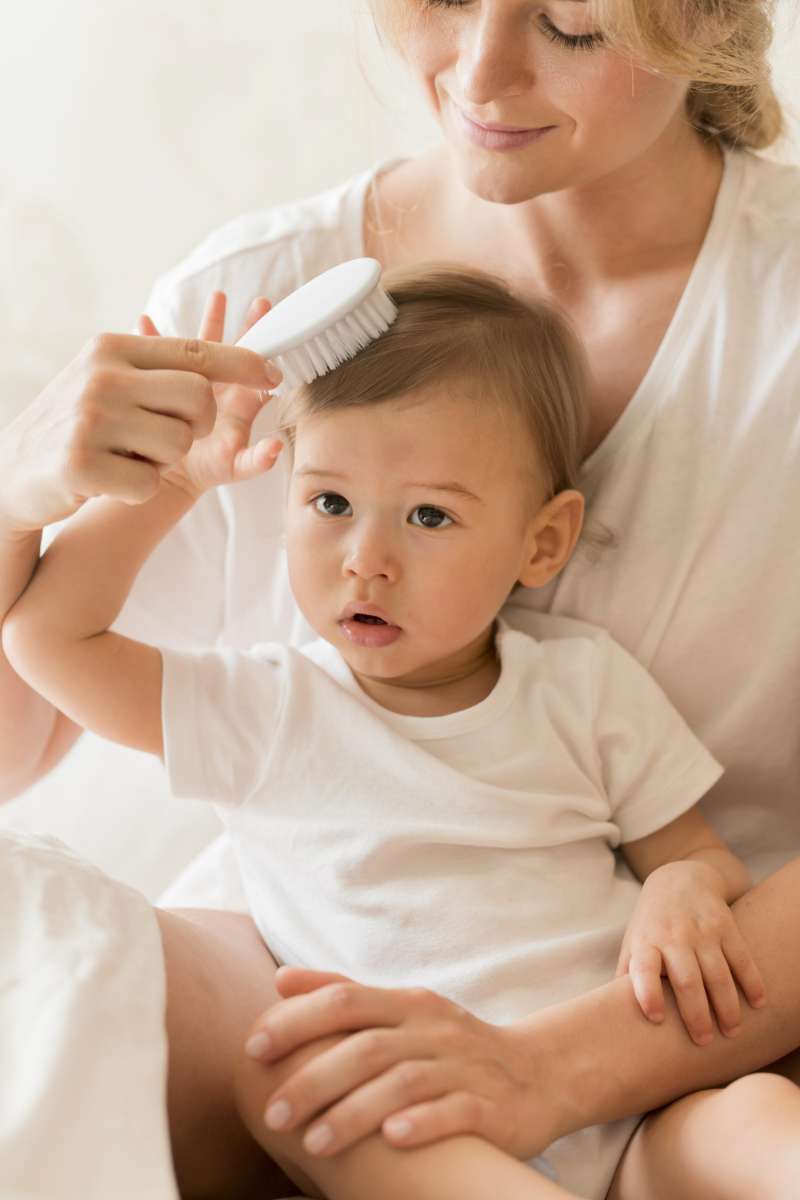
x,y
369,620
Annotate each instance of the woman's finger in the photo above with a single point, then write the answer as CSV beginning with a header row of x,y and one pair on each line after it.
x,y
456,1112
364,1110
328,1077
293,981
335,1008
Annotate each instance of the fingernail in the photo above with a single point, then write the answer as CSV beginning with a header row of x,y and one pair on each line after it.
x,y
274,374
734,1029
318,1139
257,1045
398,1127
278,1114
703,1039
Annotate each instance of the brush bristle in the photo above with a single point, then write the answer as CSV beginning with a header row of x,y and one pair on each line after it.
x,y
343,340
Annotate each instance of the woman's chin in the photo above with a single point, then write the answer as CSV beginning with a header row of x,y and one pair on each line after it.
x,y
497,182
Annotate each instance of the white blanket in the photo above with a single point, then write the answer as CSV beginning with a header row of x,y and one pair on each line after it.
x,y
82,1043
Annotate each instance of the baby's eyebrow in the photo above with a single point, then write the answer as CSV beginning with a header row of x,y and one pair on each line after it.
x,y
458,488
449,486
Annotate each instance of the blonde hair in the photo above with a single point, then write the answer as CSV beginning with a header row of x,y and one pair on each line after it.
x,y
469,328
719,46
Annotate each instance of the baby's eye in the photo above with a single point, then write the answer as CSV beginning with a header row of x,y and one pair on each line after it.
x,y
430,518
332,504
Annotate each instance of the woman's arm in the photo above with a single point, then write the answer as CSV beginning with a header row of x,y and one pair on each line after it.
x,y
57,634
71,443
582,1062
33,734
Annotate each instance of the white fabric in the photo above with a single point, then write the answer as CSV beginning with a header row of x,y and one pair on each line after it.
x,y
471,853
82,1038
699,480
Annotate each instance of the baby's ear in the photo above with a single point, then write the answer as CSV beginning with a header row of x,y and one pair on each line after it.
x,y
552,536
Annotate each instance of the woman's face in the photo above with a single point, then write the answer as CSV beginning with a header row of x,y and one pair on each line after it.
x,y
537,66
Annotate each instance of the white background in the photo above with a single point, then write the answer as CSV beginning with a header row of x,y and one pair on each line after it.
x,y
130,129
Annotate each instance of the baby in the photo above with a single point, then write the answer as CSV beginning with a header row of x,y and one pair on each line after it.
x,y
425,794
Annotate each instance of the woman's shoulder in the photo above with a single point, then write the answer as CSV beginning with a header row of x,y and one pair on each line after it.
x,y
769,211
268,251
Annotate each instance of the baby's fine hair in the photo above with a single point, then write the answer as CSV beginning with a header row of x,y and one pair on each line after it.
x,y
468,329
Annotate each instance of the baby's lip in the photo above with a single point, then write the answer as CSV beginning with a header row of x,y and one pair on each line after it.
x,y
369,610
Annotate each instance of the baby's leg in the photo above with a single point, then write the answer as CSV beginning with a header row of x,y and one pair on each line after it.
x,y
458,1168
219,979
741,1142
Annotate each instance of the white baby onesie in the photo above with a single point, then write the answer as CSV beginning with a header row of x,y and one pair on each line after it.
x,y
470,853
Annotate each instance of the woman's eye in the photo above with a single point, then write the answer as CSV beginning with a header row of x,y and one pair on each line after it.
x,y
576,41
430,518
332,504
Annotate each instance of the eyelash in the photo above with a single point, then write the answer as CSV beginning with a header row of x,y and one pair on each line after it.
x,y
428,507
579,41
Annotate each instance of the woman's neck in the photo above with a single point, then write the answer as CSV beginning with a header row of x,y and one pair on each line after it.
x,y
625,224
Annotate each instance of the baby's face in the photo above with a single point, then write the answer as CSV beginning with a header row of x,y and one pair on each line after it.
x,y
417,508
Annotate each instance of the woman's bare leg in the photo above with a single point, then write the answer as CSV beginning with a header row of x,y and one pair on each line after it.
x,y
458,1168
741,1142
219,978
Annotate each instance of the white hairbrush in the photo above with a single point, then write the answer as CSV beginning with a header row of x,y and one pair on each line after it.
x,y
327,320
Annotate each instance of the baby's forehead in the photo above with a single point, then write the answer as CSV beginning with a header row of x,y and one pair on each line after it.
x,y
450,436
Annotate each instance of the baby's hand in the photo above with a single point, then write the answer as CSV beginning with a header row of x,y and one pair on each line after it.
x,y
683,928
224,455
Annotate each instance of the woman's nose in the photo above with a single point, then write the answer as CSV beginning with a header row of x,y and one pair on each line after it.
x,y
494,54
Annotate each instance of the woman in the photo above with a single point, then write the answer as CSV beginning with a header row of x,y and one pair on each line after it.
x,y
633,203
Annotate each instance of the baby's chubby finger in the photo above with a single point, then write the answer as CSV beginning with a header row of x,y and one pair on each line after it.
x,y
645,972
146,326
744,968
258,309
687,984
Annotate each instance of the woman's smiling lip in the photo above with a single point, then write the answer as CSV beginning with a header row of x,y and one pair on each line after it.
x,y
498,137
499,128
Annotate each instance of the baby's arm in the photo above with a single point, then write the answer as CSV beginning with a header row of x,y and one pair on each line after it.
x,y
57,634
682,926
690,838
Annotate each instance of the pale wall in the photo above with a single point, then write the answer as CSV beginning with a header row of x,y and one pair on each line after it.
x,y
132,127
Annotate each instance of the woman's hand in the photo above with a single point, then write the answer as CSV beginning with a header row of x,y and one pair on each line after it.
x,y
683,928
416,1066
119,413
224,455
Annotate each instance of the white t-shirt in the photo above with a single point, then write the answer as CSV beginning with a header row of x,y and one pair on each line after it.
x,y
471,853
699,479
